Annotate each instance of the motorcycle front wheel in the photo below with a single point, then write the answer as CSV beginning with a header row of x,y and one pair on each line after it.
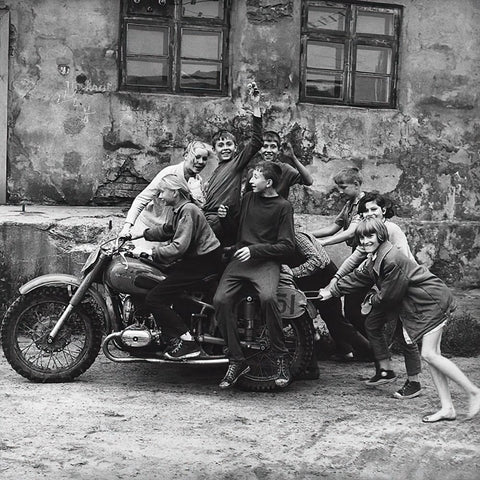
x,y
26,327
299,339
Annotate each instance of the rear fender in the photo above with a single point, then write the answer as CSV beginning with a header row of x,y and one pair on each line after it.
x,y
65,280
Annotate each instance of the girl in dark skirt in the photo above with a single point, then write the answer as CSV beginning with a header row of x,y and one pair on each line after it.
x,y
423,303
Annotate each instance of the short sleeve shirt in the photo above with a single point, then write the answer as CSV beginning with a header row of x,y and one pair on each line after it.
x,y
348,215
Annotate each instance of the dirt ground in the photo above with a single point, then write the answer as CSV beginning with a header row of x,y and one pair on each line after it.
x,y
147,421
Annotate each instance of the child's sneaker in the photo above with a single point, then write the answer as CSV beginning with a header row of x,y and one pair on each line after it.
x,y
283,373
182,350
409,390
234,372
381,377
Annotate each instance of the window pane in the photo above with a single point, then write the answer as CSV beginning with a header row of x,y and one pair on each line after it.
x,y
202,8
328,18
376,23
147,72
197,44
143,40
374,59
325,55
200,75
324,85
371,89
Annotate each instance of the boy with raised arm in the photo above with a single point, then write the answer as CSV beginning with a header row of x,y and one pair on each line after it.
x,y
271,152
265,240
224,186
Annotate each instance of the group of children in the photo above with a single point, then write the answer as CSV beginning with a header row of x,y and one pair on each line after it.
x,y
254,222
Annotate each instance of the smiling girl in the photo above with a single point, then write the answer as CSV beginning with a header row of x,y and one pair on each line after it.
x,y
423,303
375,205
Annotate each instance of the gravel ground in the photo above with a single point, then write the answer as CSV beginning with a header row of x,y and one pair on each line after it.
x,y
171,422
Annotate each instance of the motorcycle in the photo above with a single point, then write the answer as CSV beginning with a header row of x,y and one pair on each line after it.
x,y
55,329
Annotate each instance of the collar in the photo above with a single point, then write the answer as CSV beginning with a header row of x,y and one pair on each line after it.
x,y
180,205
357,199
380,254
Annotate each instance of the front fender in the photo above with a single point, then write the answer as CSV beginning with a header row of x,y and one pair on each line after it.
x,y
64,280
49,280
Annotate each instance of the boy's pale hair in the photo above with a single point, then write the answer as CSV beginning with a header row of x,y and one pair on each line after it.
x,y
176,182
197,144
271,136
348,175
369,226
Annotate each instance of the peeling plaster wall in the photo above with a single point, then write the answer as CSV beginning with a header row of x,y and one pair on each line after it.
x,y
75,139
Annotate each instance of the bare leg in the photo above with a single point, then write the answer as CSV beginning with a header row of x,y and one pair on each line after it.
x,y
444,369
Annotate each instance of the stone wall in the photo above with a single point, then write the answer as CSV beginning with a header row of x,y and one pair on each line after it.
x,y
75,139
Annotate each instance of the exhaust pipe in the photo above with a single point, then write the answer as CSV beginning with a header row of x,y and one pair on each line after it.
x,y
209,360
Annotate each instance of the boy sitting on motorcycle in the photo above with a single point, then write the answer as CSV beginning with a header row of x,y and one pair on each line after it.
x,y
193,252
265,238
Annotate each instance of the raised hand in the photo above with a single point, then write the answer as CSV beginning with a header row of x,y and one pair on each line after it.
x,y
253,92
287,150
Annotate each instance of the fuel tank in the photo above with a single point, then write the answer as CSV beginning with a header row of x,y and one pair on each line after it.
x,y
132,275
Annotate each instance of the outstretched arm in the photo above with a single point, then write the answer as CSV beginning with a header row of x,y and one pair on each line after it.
x,y
342,236
326,231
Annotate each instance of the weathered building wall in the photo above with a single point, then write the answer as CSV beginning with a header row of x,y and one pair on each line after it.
x,y
76,139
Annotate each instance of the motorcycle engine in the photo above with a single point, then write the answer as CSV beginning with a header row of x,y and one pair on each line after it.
x,y
136,336
128,310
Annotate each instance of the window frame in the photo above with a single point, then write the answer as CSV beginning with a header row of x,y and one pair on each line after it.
x,y
175,25
351,40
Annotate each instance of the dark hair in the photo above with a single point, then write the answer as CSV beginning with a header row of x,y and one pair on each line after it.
x,y
223,134
271,136
368,226
380,200
271,171
348,175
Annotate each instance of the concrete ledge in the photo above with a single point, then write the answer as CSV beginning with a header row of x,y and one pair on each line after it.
x,y
48,239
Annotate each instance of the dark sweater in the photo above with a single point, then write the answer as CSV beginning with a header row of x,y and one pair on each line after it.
x,y
225,183
266,227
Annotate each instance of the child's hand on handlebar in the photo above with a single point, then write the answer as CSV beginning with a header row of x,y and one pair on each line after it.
x,y
141,252
325,294
126,232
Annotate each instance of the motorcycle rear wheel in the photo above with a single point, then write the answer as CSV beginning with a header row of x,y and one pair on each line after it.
x,y
25,330
299,341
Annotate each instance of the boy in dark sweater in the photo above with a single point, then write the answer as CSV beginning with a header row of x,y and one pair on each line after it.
x,y
265,239
224,186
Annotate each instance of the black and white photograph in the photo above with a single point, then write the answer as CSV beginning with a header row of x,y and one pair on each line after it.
x,y
240,239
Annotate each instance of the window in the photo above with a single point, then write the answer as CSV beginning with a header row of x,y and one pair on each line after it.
x,y
349,53
176,46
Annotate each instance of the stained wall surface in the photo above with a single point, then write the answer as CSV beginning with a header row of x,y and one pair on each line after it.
x,y
76,139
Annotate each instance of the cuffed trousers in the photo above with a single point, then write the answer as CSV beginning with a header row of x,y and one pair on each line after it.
x,y
375,327
263,276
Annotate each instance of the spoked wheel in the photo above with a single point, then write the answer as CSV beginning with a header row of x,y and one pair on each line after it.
x,y
263,363
26,327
